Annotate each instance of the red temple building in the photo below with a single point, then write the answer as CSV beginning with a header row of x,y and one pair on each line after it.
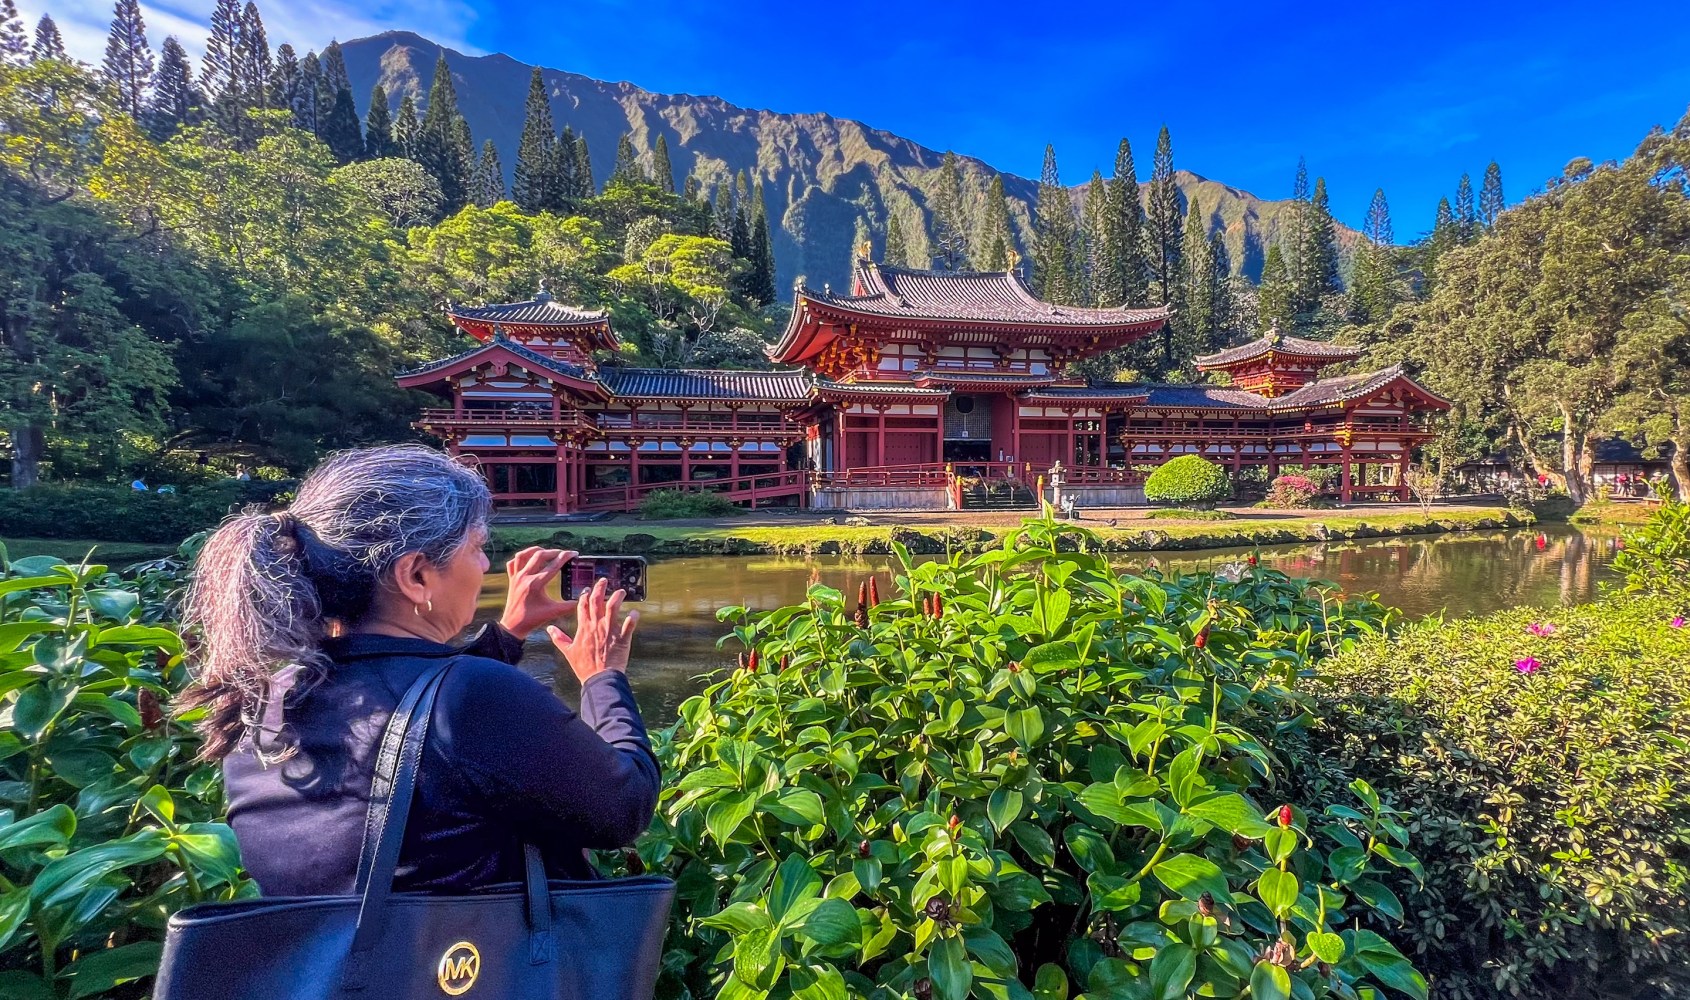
x,y
916,390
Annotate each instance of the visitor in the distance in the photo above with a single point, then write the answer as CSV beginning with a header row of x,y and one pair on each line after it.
x,y
313,622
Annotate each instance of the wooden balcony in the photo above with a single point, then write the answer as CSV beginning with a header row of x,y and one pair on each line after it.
x,y
492,420
749,490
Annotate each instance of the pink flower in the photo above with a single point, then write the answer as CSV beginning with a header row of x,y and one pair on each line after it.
x,y
1544,629
1678,622
1528,665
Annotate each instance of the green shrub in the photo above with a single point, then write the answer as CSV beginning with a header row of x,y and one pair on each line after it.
x,y
1550,807
1020,768
1185,480
664,505
1656,557
106,823
116,512
1184,514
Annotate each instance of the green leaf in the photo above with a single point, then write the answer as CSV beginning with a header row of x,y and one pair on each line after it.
x,y
16,584
833,922
947,966
97,972
1089,847
1327,947
1347,863
37,707
1377,896
1401,858
1104,799
1040,848
1004,807
1025,725
796,807
1183,779
1112,892
990,950
795,880
1171,971
69,876
827,984
16,984
1051,983
868,872
1270,982
211,848
116,605
725,815
1278,890
1387,965
1279,842
52,827
1189,876
738,918
1231,813
14,912
757,957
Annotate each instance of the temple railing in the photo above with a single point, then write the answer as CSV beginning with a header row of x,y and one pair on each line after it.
x,y
750,490
494,419
713,423
918,476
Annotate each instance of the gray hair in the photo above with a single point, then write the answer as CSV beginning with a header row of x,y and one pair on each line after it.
x,y
265,586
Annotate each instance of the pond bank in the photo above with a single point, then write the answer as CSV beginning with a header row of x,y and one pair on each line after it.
x,y
806,534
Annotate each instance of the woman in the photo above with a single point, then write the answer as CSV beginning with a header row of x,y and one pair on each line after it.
x,y
312,623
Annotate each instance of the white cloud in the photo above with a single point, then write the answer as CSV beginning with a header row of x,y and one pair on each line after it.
x,y
305,24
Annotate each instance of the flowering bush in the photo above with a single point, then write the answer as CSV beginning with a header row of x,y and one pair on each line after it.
x,y
1656,558
1543,764
106,823
1188,479
1290,492
1023,769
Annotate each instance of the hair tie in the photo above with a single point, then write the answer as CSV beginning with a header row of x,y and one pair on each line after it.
x,y
288,528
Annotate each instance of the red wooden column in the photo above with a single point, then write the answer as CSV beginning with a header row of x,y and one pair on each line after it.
x,y
1403,493
560,479
880,435
939,435
1344,476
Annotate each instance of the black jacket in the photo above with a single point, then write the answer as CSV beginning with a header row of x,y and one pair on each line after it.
x,y
505,762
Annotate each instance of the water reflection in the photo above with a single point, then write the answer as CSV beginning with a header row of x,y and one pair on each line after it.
x,y
1456,574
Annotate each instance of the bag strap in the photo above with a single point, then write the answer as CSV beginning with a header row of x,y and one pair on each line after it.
x,y
392,790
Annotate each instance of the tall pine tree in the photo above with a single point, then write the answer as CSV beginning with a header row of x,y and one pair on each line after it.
x,y
662,171
585,185
1466,216
1322,247
253,55
128,66
1055,239
175,101
14,41
49,44
761,287
897,248
950,217
378,126
1296,243
1375,285
995,239
564,168
488,183
308,113
1490,196
285,82
443,146
339,128
1102,269
1126,231
221,78
1442,239
722,212
535,187
1162,228
407,131
1273,296
627,169
1198,287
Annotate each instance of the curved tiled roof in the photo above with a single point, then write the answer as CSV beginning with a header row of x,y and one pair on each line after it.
x,y
1274,341
694,383
985,296
541,361
1217,397
1342,389
981,378
1113,391
541,310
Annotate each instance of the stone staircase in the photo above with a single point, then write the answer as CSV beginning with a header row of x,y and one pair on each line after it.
x,y
1003,494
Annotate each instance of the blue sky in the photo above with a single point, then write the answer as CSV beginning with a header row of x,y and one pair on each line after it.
x,y
1382,95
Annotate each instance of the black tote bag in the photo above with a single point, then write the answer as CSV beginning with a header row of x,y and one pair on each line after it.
x,y
556,940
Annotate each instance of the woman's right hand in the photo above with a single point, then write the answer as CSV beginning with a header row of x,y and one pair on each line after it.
x,y
601,642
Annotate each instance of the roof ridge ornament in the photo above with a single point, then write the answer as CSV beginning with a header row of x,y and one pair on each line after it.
x,y
542,295
1273,336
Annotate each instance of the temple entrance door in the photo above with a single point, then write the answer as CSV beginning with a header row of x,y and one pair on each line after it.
x,y
1042,449
968,429
968,451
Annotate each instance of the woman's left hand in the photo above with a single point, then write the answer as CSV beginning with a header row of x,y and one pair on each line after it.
x,y
528,606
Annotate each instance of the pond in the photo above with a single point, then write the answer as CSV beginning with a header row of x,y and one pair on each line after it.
x,y
1456,574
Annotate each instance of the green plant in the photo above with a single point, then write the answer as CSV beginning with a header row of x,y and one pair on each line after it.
x,y
107,825
1188,479
111,511
1021,768
663,505
1542,757
1183,514
1656,558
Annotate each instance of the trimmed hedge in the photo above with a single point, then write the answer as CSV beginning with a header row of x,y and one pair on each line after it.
x,y
1187,479
1545,773
110,511
663,505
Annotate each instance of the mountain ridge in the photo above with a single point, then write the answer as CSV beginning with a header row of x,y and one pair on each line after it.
x,y
819,171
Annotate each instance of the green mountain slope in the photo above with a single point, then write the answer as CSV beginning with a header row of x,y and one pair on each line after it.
x,y
819,172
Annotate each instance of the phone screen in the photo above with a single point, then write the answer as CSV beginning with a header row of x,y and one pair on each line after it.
x,y
625,573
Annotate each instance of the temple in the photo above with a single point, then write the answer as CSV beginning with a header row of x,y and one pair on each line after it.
x,y
917,389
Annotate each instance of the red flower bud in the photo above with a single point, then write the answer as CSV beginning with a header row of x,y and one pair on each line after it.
x,y
751,662
1202,638
1206,904
955,821
152,713
938,606
1285,815
1014,668
161,659
785,661
862,593
739,660
862,849
873,592
938,909
1253,559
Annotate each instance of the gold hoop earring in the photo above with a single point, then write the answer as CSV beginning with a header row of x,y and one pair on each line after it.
x,y
416,609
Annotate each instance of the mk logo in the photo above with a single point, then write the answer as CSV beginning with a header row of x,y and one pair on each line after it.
x,y
458,968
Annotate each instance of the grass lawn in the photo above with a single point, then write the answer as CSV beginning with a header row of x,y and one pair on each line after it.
x,y
808,533
73,549
1609,512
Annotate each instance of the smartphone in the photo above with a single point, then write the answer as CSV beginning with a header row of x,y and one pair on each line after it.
x,y
626,573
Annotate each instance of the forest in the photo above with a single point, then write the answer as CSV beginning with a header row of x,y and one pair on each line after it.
x,y
225,264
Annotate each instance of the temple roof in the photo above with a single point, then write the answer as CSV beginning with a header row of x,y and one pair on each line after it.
x,y
541,362
1203,397
987,296
541,310
1275,342
1344,388
693,383
1006,380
